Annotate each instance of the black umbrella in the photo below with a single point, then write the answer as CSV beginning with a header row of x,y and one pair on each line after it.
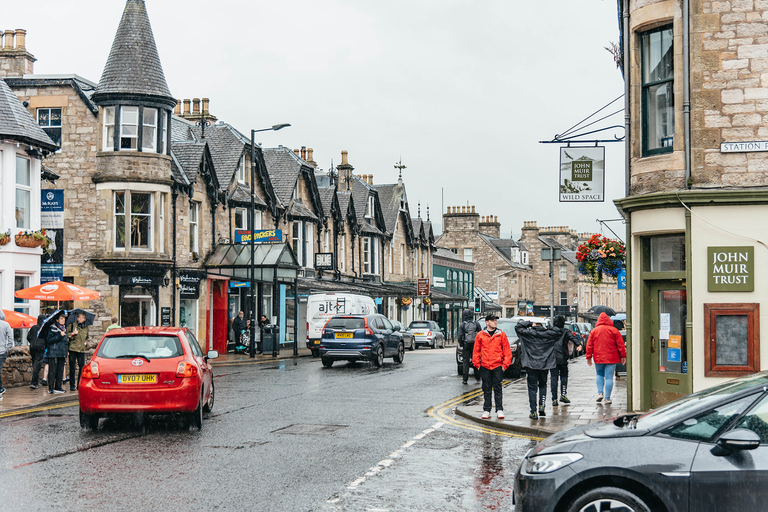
x,y
48,322
72,318
602,309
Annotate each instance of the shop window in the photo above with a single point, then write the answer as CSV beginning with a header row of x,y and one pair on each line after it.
x,y
23,192
20,282
49,120
732,336
658,109
667,253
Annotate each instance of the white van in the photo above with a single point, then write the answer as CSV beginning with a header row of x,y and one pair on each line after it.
x,y
322,306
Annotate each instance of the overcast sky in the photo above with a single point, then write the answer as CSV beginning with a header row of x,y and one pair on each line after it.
x,y
461,90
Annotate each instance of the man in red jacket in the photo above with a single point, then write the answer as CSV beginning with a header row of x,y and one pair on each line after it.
x,y
606,346
492,356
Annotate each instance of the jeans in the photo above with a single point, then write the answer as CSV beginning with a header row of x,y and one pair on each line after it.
x,y
492,383
560,371
605,378
79,359
37,364
55,372
467,355
537,383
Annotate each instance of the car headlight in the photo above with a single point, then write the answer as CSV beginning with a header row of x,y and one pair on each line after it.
x,y
549,463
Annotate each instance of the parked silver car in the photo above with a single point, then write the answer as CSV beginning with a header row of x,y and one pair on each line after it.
x,y
408,340
427,332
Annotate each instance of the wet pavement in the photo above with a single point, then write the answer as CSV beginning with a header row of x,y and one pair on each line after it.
x,y
582,392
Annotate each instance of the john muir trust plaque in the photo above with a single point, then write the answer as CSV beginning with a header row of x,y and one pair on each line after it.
x,y
731,269
582,174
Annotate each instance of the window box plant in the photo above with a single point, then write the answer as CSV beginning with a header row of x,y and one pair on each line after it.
x,y
31,238
5,237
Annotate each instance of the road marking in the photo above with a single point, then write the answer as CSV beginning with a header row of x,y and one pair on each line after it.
x,y
38,409
441,412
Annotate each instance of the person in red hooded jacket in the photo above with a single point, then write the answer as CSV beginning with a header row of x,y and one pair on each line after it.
x,y
492,356
606,346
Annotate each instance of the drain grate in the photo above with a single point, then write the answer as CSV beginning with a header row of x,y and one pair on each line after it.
x,y
302,429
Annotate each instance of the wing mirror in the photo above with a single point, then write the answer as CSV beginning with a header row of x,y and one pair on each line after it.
x,y
735,440
212,354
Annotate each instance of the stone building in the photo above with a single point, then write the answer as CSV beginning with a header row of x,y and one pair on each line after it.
x,y
697,174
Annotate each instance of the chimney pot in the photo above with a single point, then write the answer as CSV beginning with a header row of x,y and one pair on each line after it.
x,y
177,108
297,152
473,208
303,152
495,218
309,154
8,40
463,209
186,107
206,101
21,39
370,177
344,157
195,105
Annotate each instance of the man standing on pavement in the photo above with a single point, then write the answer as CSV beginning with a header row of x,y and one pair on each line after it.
x,y
238,325
537,355
467,332
562,353
6,343
492,355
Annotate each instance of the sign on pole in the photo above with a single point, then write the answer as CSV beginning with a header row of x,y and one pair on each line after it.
x,y
422,288
582,174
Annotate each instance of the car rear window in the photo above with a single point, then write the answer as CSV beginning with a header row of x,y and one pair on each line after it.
x,y
159,347
419,325
346,323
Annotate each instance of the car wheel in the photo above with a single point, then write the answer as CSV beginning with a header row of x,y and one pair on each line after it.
x,y
378,359
89,421
413,345
196,416
398,358
327,362
433,345
608,499
209,404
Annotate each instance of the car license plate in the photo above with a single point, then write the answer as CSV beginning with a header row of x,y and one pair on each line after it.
x,y
317,342
419,334
345,335
137,378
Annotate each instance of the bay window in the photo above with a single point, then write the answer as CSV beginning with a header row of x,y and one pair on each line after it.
x,y
129,128
149,129
133,220
135,128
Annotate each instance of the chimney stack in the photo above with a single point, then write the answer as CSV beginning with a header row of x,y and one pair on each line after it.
x,y
17,61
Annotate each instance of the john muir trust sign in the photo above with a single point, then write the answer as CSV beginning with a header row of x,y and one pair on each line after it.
x,y
731,269
582,174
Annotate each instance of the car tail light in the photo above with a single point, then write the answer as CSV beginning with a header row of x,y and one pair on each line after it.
x,y
368,330
91,370
185,369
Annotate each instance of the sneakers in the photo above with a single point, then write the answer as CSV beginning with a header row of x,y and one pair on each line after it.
x,y
486,415
58,391
554,403
533,415
44,382
599,398
2,390
463,382
564,399
50,391
33,386
500,414
542,412
608,401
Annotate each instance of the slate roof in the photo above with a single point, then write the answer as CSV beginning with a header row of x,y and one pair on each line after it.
x,y
503,249
416,223
189,154
296,209
18,124
181,129
84,88
448,254
326,199
360,192
389,199
241,193
284,168
370,229
133,66
227,146
344,198
177,172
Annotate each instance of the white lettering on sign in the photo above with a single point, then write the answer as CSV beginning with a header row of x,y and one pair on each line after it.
x,y
740,147
730,273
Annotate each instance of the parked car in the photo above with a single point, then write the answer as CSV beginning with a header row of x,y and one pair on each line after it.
x,y
427,332
577,331
706,451
408,339
147,370
322,306
361,338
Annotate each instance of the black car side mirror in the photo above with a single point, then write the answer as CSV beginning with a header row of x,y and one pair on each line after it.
x,y
735,440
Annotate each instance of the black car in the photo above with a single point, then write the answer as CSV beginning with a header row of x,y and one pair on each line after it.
x,y
360,337
707,451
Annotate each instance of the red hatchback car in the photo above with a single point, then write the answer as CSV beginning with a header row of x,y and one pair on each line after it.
x,y
147,370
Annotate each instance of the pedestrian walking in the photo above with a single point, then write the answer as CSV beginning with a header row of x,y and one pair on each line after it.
x,y
468,330
36,351
491,356
263,322
238,325
606,347
58,345
562,353
6,343
114,325
78,343
537,355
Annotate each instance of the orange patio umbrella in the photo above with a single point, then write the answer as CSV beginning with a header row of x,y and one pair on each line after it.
x,y
58,291
19,320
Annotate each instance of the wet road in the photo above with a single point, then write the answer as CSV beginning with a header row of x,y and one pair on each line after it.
x,y
282,436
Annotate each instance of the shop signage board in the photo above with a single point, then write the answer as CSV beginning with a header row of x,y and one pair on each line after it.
x,y
189,285
324,261
731,269
243,236
439,282
422,287
165,317
621,280
582,174
136,280
52,220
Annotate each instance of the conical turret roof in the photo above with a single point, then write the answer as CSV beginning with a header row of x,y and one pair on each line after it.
x,y
133,67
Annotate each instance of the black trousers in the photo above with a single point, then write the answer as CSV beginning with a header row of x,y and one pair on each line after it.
x,y
467,355
492,383
79,358
37,363
55,372
560,371
537,383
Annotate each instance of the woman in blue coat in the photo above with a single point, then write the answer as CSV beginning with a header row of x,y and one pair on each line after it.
x,y
58,346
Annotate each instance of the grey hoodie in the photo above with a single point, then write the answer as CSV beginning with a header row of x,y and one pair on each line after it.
x,y
6,335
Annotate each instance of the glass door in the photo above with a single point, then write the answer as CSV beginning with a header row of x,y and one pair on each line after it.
x,y
667,346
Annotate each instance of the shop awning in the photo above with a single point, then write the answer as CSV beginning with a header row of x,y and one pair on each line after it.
x,y
389,289
269,261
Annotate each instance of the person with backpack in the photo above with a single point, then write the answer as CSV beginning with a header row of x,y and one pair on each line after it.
x,y
562,353
492,356
467,332
537,355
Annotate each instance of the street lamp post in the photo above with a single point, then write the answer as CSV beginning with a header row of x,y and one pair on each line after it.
x,y
252,226
551,254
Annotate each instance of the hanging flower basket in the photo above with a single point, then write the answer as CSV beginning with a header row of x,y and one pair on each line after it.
x,y
404,302
599,257
27,241
5,238
426,301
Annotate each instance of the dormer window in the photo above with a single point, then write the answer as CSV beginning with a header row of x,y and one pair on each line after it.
x,y
241,170
369,208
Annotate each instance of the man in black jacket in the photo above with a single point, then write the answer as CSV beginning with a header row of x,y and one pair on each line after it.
x,y
238,325
467,332
562,353
537,355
